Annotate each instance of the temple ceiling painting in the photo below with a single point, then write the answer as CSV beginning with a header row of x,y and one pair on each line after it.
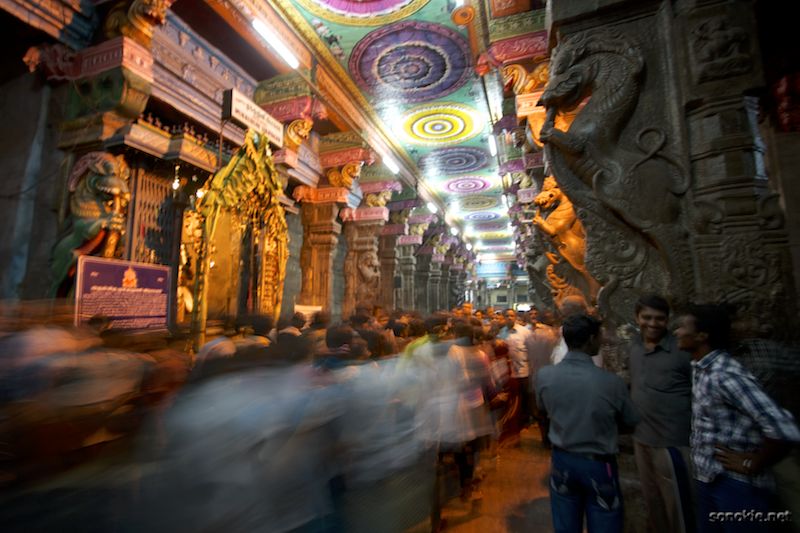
x,y
415,68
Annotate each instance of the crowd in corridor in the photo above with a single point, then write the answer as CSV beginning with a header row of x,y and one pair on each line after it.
x,y
372,424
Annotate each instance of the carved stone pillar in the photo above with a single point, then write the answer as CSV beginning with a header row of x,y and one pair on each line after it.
x,y
389,258
434,281
444,287
407,265
739,235
422,276
321,230
362,268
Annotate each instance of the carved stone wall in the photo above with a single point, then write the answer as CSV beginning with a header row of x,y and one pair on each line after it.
x,y
31,185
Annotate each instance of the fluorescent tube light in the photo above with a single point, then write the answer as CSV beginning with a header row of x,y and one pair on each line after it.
x,y
275,42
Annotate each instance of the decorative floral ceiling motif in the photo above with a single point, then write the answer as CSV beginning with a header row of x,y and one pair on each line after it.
x,y
490,226
448,123
467,185
362,12
411,61
483,215
414,66
456,160
478,203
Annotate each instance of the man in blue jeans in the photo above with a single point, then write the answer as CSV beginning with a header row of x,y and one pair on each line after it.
x,y
738,431
585,405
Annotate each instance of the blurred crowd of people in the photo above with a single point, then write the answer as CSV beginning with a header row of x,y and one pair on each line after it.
x,y
371,424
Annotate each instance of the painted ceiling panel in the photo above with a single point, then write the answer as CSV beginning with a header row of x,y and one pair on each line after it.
x,y
414,66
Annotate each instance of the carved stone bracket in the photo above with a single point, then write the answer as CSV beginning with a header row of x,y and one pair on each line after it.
x,y
300,107
365,214
395,229
322,195
342,157
409,240
532,45
57,62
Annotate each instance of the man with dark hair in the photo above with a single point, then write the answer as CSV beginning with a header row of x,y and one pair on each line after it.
x,y
738,431
585,405
516,337
661,389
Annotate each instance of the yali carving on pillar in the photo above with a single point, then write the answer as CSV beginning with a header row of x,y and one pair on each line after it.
x,y
136,19
297,132
561,224
626,188
345,176
98,205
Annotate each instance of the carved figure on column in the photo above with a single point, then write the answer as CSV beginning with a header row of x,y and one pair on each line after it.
x,y
630,196
399,217
98,207
418,229
561,224
297,132
378,199
136,19
369,276
345,176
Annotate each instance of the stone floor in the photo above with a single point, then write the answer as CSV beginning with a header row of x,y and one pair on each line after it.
x,y
515,497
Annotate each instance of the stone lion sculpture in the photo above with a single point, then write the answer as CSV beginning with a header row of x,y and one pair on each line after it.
x,y
564,229
98,205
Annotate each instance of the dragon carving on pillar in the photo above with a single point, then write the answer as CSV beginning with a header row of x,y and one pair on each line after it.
x,y
98,204
625,186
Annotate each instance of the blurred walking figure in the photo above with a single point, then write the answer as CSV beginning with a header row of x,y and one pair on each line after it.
x,y
585,404
516,336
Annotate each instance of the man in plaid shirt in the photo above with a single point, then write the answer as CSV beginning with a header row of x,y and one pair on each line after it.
x,y
737,430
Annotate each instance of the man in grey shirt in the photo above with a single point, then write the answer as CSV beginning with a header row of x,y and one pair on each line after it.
x,y
661,387
586,405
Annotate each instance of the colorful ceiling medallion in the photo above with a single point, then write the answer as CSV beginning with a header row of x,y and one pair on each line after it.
x,y
490,226
487,243
411,61
467,185
478,203
494,235
456,160
482,215
441,124
362,12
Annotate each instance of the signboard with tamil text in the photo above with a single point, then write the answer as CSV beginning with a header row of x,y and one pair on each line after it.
x,y
131,295
242,110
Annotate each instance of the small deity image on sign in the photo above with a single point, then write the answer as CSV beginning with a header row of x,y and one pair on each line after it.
x,y
129,280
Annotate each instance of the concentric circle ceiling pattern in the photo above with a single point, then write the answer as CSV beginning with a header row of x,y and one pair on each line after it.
x,y
455,160
467,185
411,61
490,226
482,215
362,12
478,203
440,124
